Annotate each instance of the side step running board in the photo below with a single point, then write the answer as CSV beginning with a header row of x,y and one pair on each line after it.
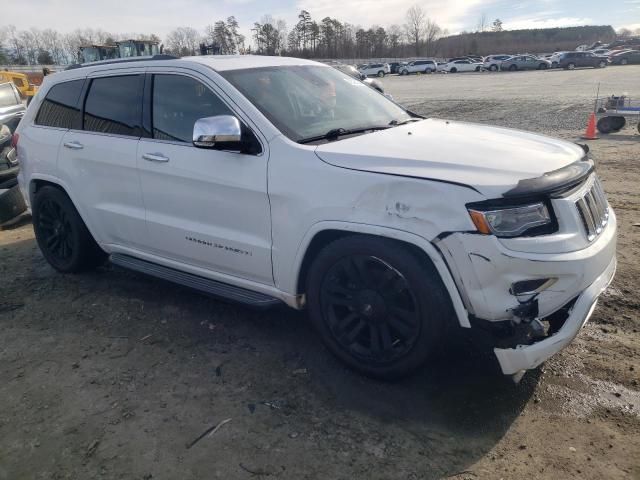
x,y
206,285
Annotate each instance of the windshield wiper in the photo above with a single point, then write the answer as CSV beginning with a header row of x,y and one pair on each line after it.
x,y
397,123
336,133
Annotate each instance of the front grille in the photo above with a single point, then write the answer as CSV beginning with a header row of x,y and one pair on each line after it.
x,y
593,210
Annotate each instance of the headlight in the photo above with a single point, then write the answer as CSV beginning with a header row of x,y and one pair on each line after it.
x,y
511,221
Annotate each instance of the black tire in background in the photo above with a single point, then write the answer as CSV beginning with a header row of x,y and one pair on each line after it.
x,y
61,234
11,203
618,123
602,64
624,61
10,183
605,125
378,306
380,74
513,68
453,70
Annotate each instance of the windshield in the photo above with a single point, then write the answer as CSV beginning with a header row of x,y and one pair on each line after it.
x,y
308,101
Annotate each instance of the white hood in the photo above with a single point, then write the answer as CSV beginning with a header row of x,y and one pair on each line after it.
x,y
492,160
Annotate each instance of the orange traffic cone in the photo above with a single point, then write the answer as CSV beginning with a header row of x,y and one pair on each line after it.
x,y
590,132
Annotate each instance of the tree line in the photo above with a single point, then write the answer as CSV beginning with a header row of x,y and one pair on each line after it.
x,y
326,38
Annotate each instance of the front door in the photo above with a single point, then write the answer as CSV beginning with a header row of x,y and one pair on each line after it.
x,y
206,208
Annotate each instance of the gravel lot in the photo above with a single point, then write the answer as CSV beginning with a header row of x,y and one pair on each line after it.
x,y
113,375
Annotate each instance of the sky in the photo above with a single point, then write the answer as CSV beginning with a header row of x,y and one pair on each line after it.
x,y
160,17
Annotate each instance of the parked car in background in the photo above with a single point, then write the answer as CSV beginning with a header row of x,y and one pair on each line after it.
x,y
353,72
11,107
391,229
525,62
625,57
464,65
377,69
601,51
492,62
571,60
394,67
555,59
422,66
21,81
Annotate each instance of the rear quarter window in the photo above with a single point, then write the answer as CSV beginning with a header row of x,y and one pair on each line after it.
x,y
60,108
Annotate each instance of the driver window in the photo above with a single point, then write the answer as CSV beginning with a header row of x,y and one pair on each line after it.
x,y
179,101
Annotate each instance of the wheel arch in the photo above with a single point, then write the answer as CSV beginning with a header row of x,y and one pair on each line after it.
x,y
323,233
38,182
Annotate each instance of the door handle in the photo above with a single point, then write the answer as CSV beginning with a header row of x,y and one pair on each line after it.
x,y
74,145
155,157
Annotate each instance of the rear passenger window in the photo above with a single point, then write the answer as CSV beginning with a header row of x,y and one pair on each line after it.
x,y
179,101
60,106
113,105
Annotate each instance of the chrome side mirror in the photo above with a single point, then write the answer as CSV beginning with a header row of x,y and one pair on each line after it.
x,y
221,131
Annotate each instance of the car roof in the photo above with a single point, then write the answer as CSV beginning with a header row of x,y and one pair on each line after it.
x,y
236,62
218,63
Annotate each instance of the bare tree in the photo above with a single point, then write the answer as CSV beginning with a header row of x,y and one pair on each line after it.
x,y
415,26
432,33
183,41
482,23
497,25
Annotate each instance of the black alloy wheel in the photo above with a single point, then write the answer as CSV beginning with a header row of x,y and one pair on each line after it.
x,y
370,308
378,306
62,236
56,230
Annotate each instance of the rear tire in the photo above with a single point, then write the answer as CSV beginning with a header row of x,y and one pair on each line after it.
x,y
453,70
11,203
624,61
377,306
61,234
602,64
380,74
493,68
513,68
571,66
542,66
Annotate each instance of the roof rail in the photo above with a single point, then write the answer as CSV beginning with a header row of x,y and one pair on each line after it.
x,y
122,60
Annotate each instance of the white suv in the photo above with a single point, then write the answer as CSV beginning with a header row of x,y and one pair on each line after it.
x,y
271,179
422,66
376,69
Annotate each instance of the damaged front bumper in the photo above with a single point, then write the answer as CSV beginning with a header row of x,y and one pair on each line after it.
x,y
513,361
524,331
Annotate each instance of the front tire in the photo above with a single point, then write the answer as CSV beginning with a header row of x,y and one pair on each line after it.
x,y
493,68
453,70
380,74
602,64
624,61
377,306
61,234
513,68
571,66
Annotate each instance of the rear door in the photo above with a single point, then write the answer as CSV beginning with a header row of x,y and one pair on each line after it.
x,y
98,159
206,208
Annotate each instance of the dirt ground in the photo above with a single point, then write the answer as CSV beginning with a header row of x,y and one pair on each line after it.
x,y
114,375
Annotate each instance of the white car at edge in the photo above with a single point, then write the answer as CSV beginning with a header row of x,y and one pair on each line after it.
x,y
460,66
271,180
